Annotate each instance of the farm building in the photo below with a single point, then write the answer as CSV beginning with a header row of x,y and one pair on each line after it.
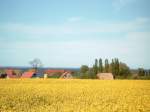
x,y
39,74
28,74
45,76
31,74
66,75
11,74
54,73
51,72
105,76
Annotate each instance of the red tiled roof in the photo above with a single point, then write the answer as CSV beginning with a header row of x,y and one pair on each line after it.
x,y
54,71
27,74
10,74
51,72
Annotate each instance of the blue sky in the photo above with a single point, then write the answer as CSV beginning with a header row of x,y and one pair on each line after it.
x,y
69,33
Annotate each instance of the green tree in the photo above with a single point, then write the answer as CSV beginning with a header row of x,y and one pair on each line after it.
x,y
116,66
113,67
124,70
84,68
2,71
91,74
106,66
95,67
84,71
100,65
36,64
141,72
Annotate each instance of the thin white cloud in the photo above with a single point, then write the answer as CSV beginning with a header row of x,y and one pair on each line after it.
x,y
75,19
133,49
119,4
142,19
77,28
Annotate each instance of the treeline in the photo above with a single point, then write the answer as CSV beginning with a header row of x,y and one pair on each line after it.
x,y
117,68
143,73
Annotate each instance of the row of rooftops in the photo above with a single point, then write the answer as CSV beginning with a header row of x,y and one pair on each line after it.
x,y
29,74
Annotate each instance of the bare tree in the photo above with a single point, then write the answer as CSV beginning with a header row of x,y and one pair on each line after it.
x,y
36,64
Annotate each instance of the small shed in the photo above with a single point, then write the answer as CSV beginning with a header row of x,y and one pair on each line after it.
x,y
66,75
45,76
105,76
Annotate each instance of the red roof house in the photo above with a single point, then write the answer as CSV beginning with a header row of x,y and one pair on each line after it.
x,y
11,74
52,72
28,74
66,75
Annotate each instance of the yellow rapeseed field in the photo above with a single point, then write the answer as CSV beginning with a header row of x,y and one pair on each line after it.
x,y
75,95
